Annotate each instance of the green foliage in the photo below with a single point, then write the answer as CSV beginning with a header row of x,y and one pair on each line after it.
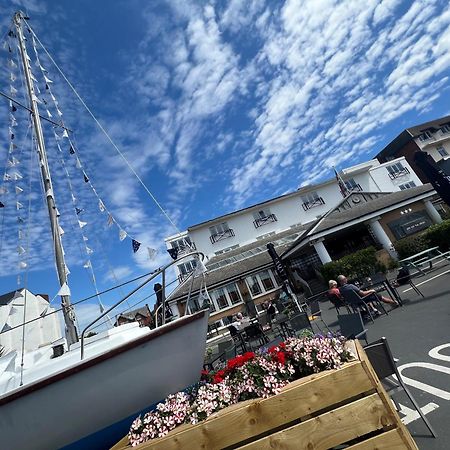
x,y
411,245
357,265
439,235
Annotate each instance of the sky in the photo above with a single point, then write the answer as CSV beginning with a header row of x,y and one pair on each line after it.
x,y
215,105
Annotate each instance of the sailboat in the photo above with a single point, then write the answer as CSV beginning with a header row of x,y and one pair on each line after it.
x,y
83,392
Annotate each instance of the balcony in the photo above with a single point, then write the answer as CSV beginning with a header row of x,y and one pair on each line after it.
x,y
260,221
398,173
312,204
221,236
185,249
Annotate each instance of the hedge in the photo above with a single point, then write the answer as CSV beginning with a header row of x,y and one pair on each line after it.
x,y
357,265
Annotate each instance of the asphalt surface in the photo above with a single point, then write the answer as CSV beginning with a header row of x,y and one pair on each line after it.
x,y
421,326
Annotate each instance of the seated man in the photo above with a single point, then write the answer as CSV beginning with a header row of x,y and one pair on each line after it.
x,y
344,285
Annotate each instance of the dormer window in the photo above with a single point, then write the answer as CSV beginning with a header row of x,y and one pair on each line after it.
x,y
441,150
184,245
397,170
263,217
445,128
219,232
311,200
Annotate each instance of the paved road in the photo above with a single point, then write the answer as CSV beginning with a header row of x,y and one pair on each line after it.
x,y
419,336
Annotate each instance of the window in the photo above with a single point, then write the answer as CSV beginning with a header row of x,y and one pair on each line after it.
x,y
263,217
233,294
397,170
220,297
411,184
441,150
225,250
263,213
425,136
266,280
311,199
253,285
187,267
352,185
220,231
445,128
181,243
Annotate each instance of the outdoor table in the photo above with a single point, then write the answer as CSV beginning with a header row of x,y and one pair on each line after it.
x,y
422,257
282,320
387,286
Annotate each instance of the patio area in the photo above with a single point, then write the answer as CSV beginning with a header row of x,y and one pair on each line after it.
x,y
418,336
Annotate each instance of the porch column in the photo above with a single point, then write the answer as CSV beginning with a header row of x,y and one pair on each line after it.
x,y
432,211
383,238
322,251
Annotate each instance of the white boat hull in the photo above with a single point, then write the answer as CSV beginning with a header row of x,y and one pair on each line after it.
x,y
105,389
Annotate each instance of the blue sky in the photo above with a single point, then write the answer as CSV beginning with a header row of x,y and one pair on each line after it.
x,y
218,105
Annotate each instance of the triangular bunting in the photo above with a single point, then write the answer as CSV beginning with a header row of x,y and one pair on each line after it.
x,y
122,235
87,264
61,231
101,206
20,250
82,224
78,164
2,205
65,134
110,220
71,150
173,252
19,190
151,253
79,211
86,179
23,265
64,290
135,244
89,251
19,205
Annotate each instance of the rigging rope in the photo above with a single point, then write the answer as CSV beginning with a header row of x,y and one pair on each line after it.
x,y
105,132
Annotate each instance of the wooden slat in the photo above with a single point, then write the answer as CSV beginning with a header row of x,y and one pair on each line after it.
x,y
329,429
297,400
403,431
391,440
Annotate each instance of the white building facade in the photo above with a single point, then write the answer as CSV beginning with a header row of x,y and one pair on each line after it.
x,y
237,229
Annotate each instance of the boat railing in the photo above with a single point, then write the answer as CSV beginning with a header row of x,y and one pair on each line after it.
x,y
161,271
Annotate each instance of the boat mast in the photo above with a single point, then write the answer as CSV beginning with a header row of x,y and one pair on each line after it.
x,y
69,318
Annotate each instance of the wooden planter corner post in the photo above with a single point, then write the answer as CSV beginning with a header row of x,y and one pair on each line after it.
x,y
348,405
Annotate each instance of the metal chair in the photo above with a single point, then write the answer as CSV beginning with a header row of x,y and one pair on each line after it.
x,y
380,356
300,322
356,302
254,333
226,351
316,313
237,337
352,326
338,302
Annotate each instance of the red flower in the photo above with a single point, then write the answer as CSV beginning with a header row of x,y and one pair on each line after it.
x,y
219,376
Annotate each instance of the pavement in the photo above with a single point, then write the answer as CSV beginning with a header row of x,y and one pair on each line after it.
x,y
419,336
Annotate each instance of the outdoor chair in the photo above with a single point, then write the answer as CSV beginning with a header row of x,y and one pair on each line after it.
x,y
254,333
316,313
237,337
338,303
263,320
356,302
226,351
380,356
300,322
352,326
404,278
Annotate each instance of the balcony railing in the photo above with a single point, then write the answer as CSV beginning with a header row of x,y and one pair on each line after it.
x,y
221,236
312,204
183,249
398,173
260,221
355,187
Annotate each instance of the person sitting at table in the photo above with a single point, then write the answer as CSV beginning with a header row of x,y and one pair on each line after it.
x,y
334,294
344,285
241,321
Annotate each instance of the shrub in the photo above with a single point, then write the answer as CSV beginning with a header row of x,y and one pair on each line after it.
x,y
357,265
439,235
411,245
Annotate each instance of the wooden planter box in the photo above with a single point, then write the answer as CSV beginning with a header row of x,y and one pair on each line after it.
x,y
321,411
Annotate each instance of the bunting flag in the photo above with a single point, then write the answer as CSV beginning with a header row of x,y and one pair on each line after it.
x,y
60,230
47,80
21,250
79,211
12,147
20,220
89,251
74,199
135,245
110,220
19,205
49,114
65,134
85,239
87,264
64,290
101,206
3,190
173,252
13,91
17,176
71,150
2,205
6,177
23,265
19,190
151,253
82,224
122,235
78,164
86,179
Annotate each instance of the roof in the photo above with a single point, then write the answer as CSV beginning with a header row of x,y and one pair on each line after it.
x,y
409,134
6,298
236,264
143,311
368,203
345,175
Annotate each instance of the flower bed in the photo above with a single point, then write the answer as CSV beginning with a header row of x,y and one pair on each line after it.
x,y
248,376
